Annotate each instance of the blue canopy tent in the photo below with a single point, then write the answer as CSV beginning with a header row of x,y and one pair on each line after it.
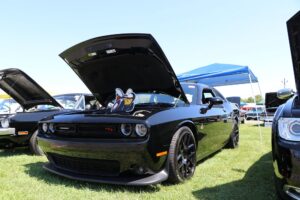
x,y
220,75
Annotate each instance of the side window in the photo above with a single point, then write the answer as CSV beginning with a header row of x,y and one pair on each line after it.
x,y
218,94
207,93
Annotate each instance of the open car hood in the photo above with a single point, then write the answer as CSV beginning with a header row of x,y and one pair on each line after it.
x,y
123,61
272,102
293,26
24,89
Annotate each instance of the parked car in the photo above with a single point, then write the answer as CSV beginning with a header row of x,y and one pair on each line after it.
x,y
254,113
8,106
272,102
286,127
155,131
20,129
236,103
239,113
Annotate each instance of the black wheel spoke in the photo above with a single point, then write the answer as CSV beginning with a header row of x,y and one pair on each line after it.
x,y
184,138
185,171
180,165
188,140
179,157
191,155
191,146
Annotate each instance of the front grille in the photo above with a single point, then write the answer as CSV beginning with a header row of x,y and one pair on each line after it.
x,y
86,166
87,131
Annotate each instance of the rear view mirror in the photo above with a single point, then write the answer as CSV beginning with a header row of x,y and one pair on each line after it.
x,y
285,93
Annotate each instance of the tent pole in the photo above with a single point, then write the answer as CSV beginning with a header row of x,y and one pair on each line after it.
x,y
264,104
255,106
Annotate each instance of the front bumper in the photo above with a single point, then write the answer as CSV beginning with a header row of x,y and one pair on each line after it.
x,y
129,180
7,132
287,166
113,161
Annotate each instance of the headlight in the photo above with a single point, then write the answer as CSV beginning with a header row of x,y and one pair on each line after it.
x,y
45,127
5,123
289,128
141,130
126,129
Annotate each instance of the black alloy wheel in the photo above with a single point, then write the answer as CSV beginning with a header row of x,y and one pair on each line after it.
x,y
234,139
182,156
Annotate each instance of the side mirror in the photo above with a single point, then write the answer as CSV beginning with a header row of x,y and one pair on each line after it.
x,y
285,93
211,102
214,101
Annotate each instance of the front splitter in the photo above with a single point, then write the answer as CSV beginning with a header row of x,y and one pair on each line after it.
x,y
132,180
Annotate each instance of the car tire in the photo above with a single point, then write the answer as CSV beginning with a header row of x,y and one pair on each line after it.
x,y
281,195
243,120
182,156
33,145
234,139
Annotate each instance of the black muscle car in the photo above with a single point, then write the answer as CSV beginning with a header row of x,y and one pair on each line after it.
x,y
20,129
155,131
286,126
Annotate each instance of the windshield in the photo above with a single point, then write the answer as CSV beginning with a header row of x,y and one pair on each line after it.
x,y
153,98
190,91
69,101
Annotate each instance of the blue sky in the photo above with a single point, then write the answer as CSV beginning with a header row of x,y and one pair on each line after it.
x,y
191,33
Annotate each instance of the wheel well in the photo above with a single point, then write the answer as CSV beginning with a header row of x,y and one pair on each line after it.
x,y
193,129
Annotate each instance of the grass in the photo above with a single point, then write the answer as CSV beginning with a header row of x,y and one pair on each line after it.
x,y
242,173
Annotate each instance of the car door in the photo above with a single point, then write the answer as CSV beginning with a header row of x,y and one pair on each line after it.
x,y
213,125
228,115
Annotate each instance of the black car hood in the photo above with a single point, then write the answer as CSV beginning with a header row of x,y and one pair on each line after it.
x,y
272,101
293,26
123,61
24,89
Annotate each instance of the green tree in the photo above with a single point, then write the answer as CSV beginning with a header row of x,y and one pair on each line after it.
x,y
258,98
250,100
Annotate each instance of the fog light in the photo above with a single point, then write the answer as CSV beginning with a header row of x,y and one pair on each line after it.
x,y
139,170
